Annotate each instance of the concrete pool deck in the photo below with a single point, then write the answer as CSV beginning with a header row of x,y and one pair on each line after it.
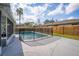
x,y
53,46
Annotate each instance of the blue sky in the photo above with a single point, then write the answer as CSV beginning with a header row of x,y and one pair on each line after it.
x,y
33,12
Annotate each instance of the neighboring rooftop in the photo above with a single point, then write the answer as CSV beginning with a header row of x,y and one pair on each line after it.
x,y
70,21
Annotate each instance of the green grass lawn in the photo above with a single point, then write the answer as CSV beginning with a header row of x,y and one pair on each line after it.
x,y
67,36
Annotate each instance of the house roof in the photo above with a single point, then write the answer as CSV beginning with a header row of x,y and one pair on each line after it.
x,y
4,4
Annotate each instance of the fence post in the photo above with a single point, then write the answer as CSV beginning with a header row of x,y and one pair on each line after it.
x,y
63,29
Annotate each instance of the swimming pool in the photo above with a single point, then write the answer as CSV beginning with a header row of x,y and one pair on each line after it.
x,y
29,35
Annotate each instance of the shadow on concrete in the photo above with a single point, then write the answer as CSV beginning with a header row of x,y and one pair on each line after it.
x,y
14,48
44,41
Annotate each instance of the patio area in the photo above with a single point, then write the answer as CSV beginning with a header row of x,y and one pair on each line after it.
x,y
53,46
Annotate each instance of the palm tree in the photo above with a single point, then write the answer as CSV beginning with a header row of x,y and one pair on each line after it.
x,y
19,13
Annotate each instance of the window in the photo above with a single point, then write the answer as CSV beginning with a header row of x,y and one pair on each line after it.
x,y
9,28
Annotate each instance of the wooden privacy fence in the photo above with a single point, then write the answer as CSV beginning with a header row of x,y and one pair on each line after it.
x,y
60,29
47,30
66,29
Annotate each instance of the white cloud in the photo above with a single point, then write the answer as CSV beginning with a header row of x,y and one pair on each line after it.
x,y
58,10
13,9
27,18
38,10
30,18
71,7
61,19
23,5
33,13
71,17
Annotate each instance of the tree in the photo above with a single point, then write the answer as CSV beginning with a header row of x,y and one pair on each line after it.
x,y
38,21
46,21
56,20
52,20
19,13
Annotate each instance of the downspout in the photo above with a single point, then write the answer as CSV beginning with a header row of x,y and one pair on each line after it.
x,y
19,28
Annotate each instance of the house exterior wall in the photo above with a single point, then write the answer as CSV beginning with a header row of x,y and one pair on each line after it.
x,y
0,33
6,12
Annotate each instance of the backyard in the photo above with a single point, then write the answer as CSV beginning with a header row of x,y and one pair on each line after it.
x,y
39,29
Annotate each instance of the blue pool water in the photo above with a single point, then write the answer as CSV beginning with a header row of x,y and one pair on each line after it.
x,y
31,35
